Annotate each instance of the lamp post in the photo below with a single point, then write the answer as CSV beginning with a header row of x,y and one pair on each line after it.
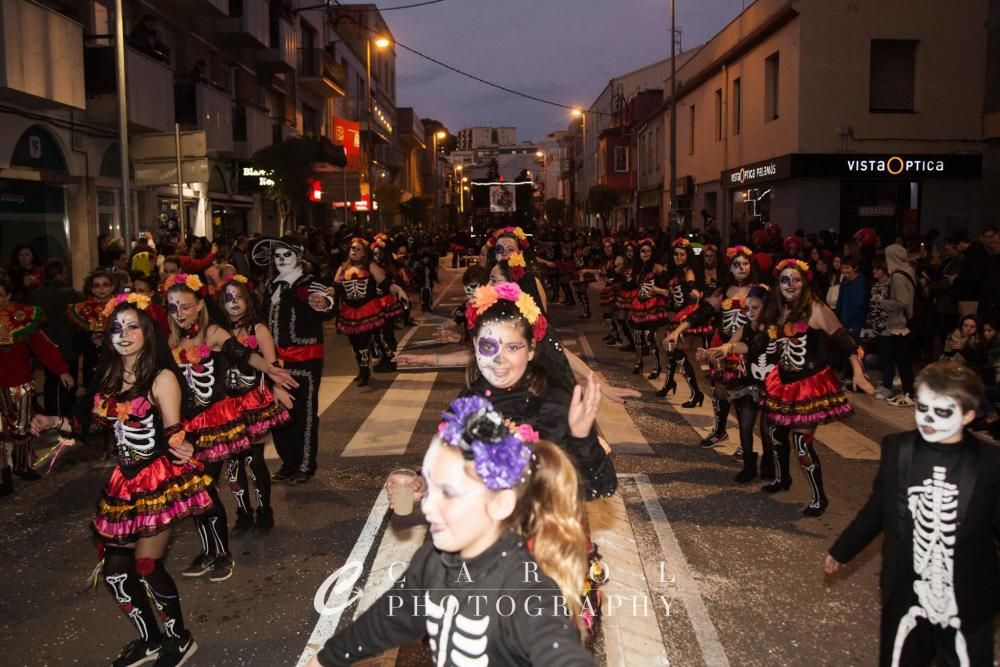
x,y
582,114
440,134
380,43
463,188
459,179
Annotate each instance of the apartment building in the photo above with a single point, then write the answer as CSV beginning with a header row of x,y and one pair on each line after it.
x,y
471,138
246,72
834,115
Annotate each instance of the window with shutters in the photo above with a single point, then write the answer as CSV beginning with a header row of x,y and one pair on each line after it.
x,y
718,115
772,69
892,79
737,94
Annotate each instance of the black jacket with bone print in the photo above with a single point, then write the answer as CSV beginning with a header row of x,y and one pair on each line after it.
x,y
497,609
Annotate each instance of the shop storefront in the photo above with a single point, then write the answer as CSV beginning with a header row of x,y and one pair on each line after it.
x,y
897,195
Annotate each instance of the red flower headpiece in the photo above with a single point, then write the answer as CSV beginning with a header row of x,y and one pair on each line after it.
x,y
710,246
792,241
681,243
609,240
797,264
188,280
488,295
646,241
237,278
515,233
738,250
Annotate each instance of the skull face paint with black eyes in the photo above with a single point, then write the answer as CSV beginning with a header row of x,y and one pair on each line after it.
x,y
126,333
791,284
378,254
740,268
502,353
236,306
285,260
505,247
940,418
470,290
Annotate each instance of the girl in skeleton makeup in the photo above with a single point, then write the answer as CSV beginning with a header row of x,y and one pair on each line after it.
x,y
730,304
802,390
649,307
936,498
565,247
583,274
746,359
136,397
395,304
614,266
628,290
499,502
685,292
212,419
357,283
261,408
86,318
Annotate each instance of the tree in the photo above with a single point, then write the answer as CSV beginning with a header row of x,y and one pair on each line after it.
x,y
555,210
602,199
388,196
290,164
416,211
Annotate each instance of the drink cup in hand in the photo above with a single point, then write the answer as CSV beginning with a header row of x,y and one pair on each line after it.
x,y
404,486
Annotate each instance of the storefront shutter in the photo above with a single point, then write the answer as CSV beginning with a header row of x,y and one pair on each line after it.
x,y
893,75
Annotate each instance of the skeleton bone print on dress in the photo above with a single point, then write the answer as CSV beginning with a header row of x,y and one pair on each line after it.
x,y
761,366
677,295
934,507
201,382
454,638
135,442
733,319
356,289
793,352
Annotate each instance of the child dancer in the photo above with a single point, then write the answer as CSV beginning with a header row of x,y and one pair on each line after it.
x,y
262,409
937,499
499,505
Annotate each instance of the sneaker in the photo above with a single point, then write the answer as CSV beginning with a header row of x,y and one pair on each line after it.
x,y
138,652
201,564
299,477
176,652
902,400
284,473
222,569
882,393
713,439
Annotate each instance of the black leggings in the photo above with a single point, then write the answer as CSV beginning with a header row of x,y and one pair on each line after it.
x,y
241,470
746,416
129,580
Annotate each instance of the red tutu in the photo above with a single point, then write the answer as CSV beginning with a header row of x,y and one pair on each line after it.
x,y
609,296
158,497
392,307
218,432
648,313
817,399
261,412
359,319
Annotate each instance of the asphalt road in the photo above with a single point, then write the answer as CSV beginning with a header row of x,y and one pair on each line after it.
x,y
703,571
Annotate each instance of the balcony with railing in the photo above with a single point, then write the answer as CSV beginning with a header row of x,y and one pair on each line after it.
x,y
203,106
321,74
281,54
251,129
150,91
247,25
41,59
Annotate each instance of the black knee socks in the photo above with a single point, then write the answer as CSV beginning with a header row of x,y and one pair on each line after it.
x,y
746,415
123,581
213,525
809,461
165,596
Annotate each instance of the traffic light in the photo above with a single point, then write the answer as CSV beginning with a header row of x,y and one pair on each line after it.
x,y
315,190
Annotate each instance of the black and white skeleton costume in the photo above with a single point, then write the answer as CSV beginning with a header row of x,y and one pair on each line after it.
x,y
497,608
297,328
939,507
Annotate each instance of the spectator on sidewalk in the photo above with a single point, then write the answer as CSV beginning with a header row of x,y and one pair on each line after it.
x,y
852,302
239,257
962,340
975,261
898,356
874,328
989,296
26,271
833,291
54,297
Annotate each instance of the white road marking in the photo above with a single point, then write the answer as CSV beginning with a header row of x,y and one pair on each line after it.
x,y
389,427
687,589
326,625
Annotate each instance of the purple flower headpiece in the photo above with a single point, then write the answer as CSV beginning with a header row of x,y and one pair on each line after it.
x,y
483,435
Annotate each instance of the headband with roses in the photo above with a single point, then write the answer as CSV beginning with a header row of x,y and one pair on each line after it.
x,y
514,232
738,250
646,241
516,265
681,243
497,447
488,295
188,280
140,301
797,264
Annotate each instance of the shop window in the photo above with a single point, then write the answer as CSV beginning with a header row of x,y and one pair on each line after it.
x,y
771,75
310,121
736,102
892,78
621,159
718,115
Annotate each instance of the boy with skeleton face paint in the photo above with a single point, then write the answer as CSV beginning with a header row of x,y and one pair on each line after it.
x,y
937,499
294,309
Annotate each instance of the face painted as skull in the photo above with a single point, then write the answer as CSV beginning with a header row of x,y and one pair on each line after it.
x,y
285,260
470,290
126,333
502,353
236,305
940,418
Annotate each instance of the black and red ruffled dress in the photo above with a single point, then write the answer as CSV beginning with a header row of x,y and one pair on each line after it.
x,y
261,412
802,390
147,492
628,290
361,307
685,308
649,310
612,286
732,317
583,273
213,420
392,307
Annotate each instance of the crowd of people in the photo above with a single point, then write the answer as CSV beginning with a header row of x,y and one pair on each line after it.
x,y
192,353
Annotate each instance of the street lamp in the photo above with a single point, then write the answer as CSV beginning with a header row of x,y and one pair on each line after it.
x,y
582,115
439,135
380,43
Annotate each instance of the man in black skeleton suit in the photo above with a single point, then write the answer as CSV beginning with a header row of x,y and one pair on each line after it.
x,y
296,306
